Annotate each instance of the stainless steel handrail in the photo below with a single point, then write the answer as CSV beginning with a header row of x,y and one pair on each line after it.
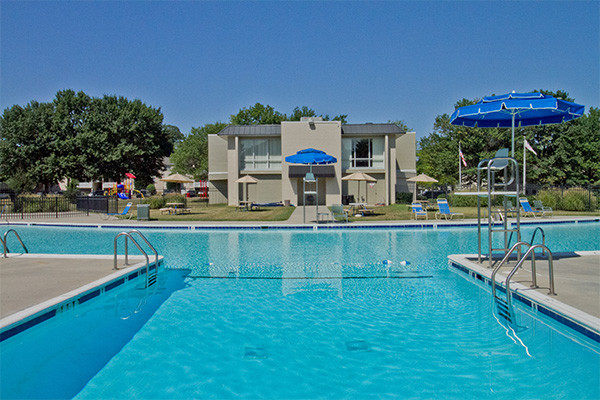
x,y
531,251
5,242
128,235
543,237
504,260
147,242
514,270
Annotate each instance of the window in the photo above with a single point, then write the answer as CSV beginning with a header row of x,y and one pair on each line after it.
x,y
260,154
363,153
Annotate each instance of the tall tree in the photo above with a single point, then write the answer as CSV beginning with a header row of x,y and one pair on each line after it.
x,y
257,115
191,154
26,143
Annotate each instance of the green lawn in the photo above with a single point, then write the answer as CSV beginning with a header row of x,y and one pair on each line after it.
x,y
394,212
221,212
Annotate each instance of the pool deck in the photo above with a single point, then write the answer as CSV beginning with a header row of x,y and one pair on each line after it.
x,y
576,282
28,280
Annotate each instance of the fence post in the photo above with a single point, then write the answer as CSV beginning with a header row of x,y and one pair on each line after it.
x,y
22,208
56,203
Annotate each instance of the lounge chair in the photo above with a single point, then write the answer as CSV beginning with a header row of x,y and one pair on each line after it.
x,y
337,211
417,211
527,210
125,211
444,210
539,206
364,210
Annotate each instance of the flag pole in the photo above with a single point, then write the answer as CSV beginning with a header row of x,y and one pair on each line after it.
x,y
524,167
459,168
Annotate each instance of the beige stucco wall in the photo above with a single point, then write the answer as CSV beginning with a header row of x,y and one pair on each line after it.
x,y
217,155
406,161
217,192
323,135
267,190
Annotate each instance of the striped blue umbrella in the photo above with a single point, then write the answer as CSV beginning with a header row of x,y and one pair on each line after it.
x,y
526,109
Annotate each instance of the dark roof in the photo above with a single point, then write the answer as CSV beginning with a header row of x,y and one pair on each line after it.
x,y
371,129
251,130
275,130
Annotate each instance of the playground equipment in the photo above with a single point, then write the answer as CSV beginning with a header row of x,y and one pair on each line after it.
x,y
125,189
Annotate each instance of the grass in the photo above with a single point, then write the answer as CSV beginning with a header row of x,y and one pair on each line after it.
x,y
394,212
221,212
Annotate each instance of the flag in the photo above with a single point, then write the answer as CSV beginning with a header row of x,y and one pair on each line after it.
x,y
462,157
528,147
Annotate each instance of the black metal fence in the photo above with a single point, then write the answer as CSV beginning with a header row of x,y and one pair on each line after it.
x,y
29,207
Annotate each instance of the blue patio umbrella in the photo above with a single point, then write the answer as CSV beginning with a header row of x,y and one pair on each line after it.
x,y
311,157
526,109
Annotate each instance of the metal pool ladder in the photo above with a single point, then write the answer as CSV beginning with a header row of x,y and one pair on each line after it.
x,y
505,307
5,243
150,280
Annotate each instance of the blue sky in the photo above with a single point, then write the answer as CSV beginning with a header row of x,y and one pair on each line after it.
x,y
375,61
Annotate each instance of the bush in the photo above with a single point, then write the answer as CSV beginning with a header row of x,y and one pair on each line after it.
x,y
151,189
404,198
155,202
549,197
72,190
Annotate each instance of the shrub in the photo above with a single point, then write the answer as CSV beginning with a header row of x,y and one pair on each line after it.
x,y
151,189
72,190
549,197
155,202
404,197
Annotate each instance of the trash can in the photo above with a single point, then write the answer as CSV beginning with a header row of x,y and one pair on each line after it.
x,y
143,212
287,203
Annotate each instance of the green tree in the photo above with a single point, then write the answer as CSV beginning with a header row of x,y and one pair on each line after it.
x,y
257,115
26,144
567,153
191,154
123,136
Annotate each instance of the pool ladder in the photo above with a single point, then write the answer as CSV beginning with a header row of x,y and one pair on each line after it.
x,y
5,242
505,306
150,279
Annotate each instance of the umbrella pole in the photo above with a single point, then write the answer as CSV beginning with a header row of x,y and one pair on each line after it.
x,y
512,142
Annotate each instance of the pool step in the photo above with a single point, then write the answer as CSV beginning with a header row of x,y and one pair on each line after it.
x,y
503,309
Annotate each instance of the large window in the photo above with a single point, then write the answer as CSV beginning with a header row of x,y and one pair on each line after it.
x,y
260,154
363,153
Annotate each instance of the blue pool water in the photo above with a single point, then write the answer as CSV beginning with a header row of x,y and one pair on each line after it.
x,y
300,314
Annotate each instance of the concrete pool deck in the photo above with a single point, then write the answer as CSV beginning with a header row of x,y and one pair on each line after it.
x,y
27,280
576,282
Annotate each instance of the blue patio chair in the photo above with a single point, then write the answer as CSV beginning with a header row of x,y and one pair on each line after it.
x,y
125,211
539,206
417,211
444,210
527,210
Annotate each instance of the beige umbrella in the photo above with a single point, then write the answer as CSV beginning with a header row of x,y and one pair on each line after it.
x,y
246,179
360,176
177,178
420,178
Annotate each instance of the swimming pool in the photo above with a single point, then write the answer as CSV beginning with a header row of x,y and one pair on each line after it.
x,y
301,314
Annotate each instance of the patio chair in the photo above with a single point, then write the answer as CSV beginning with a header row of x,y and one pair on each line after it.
x,y
337,211
527,210
444,211
125,212
417,211
539,206
364,210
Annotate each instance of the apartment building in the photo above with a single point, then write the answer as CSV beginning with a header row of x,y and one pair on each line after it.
x,y
382,151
